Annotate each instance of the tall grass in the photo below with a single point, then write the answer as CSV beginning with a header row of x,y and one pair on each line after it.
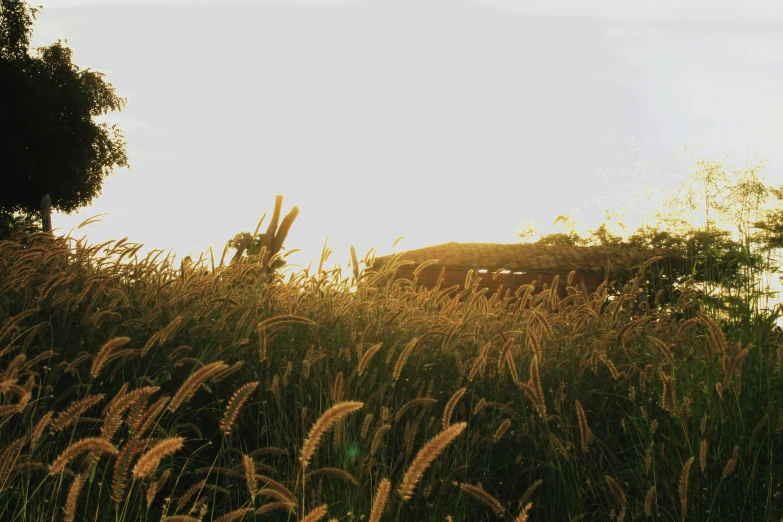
x,y
136,390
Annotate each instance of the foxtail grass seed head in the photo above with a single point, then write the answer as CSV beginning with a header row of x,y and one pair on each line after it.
x,y
406,352
73,495
378,438
316,514
148,463
502,429
732,463
616,490
648,501
449,410
237,514
39,428
95,445
380,500
333,415
703,455
154,487
250,475
425,456
235,404
522,516
191,385
367,357
104,353
478,492
683,489
528,494
368,418
272,506
72,413
585,435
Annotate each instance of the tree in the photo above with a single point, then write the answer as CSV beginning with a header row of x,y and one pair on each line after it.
x,y
49,143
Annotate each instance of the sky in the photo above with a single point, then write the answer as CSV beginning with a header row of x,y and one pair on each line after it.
x,y
437,120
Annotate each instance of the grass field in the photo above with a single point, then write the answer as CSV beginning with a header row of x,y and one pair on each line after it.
x,y
133,389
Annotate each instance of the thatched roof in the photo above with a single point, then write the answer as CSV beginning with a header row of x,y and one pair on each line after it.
x,y
527,257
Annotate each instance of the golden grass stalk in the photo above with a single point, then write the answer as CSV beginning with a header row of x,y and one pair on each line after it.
x,y
534,390
235,404
73,496
91,444
411,428
512,367
354,264
180,518
530,490
161,336
616,489
683,489
522,517
266,508
368,418
479,493
187,496
367,357
669,395
277,495
503,351
403,357
139,424
380,500
154,487
250,475
149,462
333,472
287,318
334,414
194,382
663,347
703,455
479,406
10,324
71,414
316,514
425,456
113,419
8,458
449,410
262,344
237,514
378,437
585,435
648,501
121,466
103,354
412,404
39,428
338,388
502,429
273,484
732,463
619,494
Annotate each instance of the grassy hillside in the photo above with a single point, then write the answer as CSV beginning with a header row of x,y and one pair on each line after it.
x,y
137,390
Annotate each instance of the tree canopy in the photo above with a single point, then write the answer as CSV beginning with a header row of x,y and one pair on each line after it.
x,y
49,142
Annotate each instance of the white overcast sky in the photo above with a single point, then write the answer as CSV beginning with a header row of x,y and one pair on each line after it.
x,y
437,120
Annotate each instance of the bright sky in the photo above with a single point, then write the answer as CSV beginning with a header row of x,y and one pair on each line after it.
x,y
437,120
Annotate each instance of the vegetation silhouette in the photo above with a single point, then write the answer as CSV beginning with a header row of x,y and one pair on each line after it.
x,y
49,143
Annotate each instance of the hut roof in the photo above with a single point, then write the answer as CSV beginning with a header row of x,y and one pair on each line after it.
x,y
527,257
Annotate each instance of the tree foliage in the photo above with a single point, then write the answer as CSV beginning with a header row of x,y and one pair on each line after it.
x,y
49,142
726,227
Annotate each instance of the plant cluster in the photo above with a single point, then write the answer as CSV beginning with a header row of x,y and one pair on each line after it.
x,y
133,389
